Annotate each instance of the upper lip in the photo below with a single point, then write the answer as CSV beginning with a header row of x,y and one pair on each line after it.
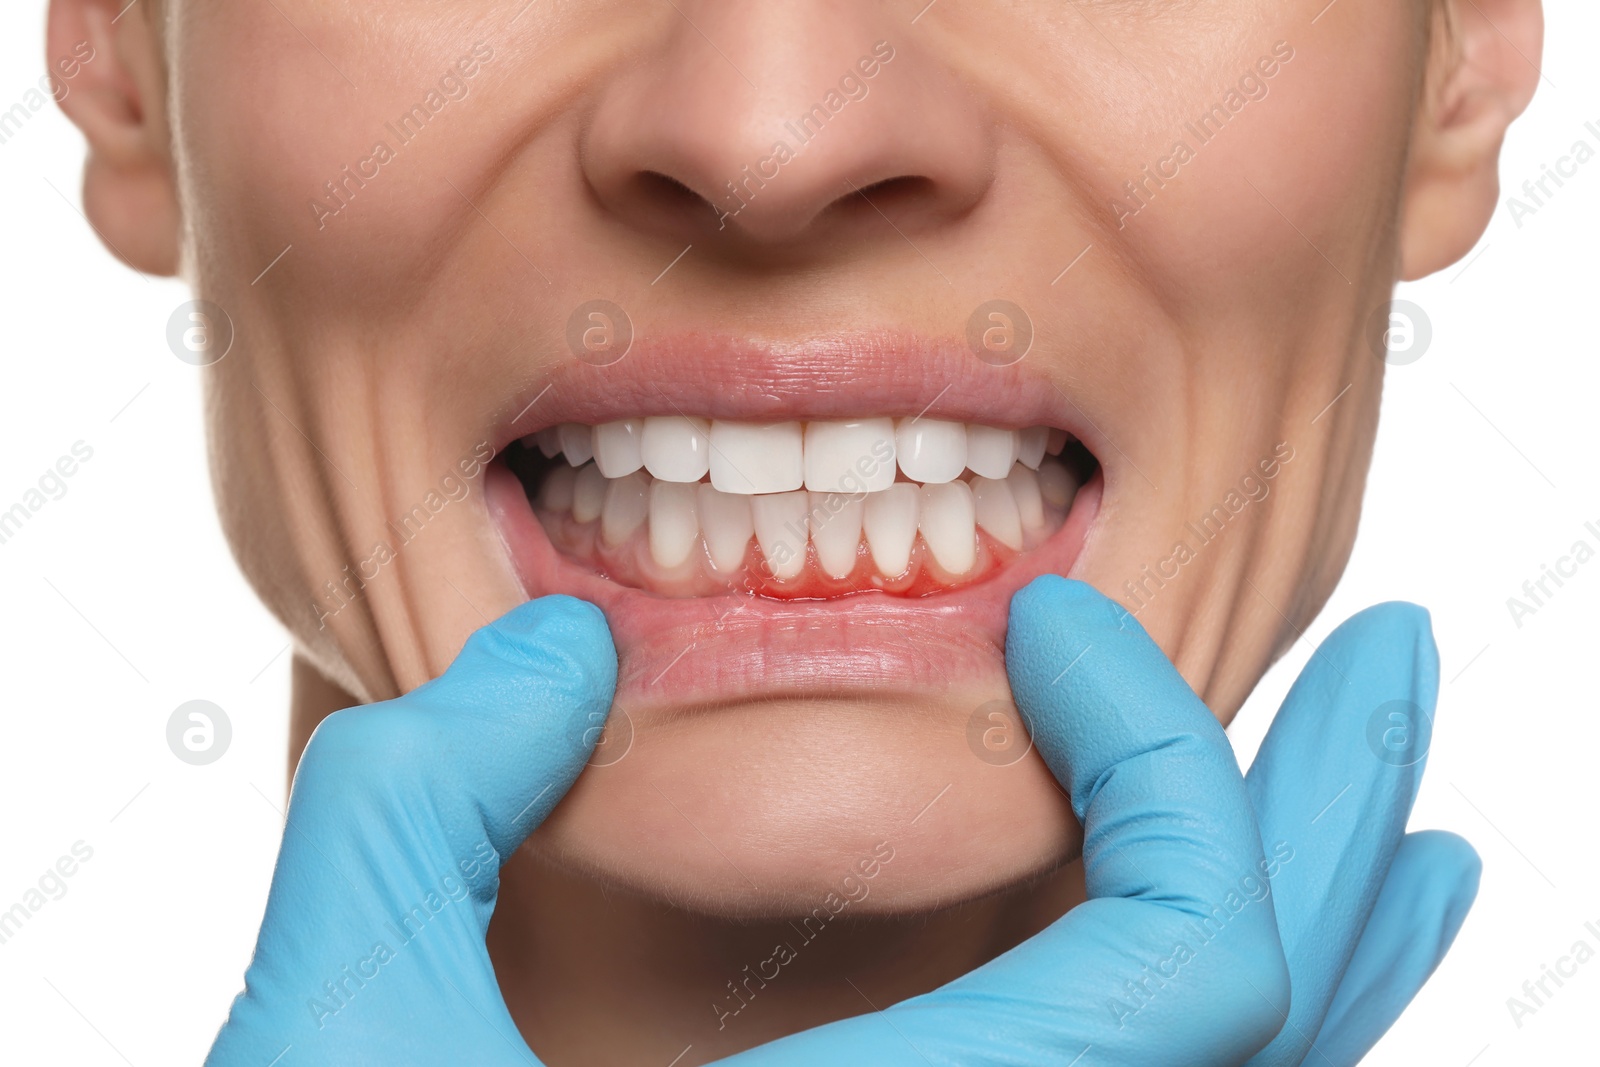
x,y
722,376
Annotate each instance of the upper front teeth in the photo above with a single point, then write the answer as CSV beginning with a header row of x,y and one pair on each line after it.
x,y
823,456
823,494
850,457
675,449
931,450
618,447
749,458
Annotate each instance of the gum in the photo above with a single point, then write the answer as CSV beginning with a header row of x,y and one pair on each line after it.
x,y
630,563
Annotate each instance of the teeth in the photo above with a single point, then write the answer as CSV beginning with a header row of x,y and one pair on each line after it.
x,y
753,458
588,493
577,442
836,531
726,522
948,526
782,530
849,457
627,504
995,509
796,486
824,456
556,492
931,450
674,527
616,447
890,522
1025,491
676,447
1056,485
548,440
990,452
1031,444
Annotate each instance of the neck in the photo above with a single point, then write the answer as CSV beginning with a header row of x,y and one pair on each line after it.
x,y
594,975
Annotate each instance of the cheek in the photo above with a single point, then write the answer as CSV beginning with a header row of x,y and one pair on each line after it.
x,y
339,142
1315,162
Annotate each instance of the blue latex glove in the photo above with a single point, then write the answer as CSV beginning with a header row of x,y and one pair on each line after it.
x,y
407,807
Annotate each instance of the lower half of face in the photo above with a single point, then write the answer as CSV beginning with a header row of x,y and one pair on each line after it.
x,y
801,421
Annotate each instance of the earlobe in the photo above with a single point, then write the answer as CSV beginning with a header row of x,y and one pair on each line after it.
x,y
109,79
1482,71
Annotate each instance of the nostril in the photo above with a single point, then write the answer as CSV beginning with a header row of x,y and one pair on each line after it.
x,y
888,194
902,186
668,195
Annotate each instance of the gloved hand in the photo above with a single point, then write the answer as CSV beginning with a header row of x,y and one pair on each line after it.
x,y
1194,936
1185,954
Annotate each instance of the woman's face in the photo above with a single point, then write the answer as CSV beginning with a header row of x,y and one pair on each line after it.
x,y
438,230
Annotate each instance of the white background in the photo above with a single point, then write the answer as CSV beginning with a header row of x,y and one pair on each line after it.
x,y
119,601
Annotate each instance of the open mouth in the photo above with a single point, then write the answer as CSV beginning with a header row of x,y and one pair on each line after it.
x,y
750,533
690,506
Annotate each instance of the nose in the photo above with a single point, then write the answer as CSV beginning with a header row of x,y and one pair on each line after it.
x,y
784,123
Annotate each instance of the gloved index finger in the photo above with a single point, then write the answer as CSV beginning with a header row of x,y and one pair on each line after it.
x,y
1149,769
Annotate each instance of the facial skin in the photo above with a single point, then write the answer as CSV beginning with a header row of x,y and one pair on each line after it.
x,y
1220,326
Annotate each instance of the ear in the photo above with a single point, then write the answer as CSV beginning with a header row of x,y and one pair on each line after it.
x,y
1482,70
109,78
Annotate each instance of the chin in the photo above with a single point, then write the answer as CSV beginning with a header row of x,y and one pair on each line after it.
x,y
772,809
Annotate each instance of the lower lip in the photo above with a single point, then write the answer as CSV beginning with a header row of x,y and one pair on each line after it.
x,y
737,648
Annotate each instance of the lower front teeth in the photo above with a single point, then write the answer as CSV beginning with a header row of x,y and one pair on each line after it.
x,y
674,525
627,506
588,493
995,509
727,526
948,525
782,530
696,530
889,520
836,536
